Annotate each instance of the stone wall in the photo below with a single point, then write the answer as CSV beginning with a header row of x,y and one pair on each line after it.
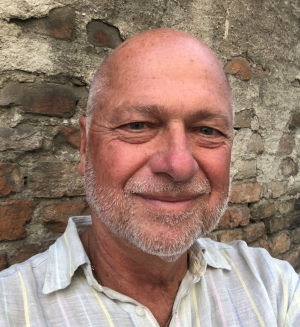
x,y
49,52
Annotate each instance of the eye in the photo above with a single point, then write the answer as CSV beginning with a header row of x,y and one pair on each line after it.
x,y
207,130
136,126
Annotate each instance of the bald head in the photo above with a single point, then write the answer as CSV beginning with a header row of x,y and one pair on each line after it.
x,y
167,50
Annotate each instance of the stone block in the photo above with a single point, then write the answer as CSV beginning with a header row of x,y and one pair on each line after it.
x,y
56,179
256,144
297,204
293,257
274,224
280,243
253,232
55,216
40,98
295,236
285,207
246,192
239,67
245,169
229,235
292,220
288,167
59,24
261,72
71,135
14,215
11,179
22,137
234,217
262,211
286,144
295,121
101,34
276,189
243,118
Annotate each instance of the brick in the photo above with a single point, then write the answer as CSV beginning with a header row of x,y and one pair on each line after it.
x,y
71,135
59,24
262,211
14,215
247,192
56,179
253,232
3,262
256,144
101,34
245,169
286,144
22,137
26,251
276,189
288,167
229,235
11,179
55,216
285,207
295,121
243,118
280,243
234,217
295,236
40,98
239,67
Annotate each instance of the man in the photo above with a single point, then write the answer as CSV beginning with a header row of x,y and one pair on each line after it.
x,y
155,154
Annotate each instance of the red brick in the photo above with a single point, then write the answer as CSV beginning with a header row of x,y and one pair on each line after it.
x,y
247,192
22,137
11,179
234,217
288,167
59,24
40,98
239,67
295,121
55,216
286,144
256,144
280,243
3,262
71,134
56,179
101,34
253,232
14,215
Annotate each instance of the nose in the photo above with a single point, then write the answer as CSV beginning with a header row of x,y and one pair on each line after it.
x,y
173,156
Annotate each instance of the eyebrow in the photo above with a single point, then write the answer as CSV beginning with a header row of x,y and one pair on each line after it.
x,y
154,110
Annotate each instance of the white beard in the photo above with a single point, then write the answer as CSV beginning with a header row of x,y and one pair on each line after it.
x,y
117,210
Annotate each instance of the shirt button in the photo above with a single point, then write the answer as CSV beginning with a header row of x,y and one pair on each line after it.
x,y
139,311
89,280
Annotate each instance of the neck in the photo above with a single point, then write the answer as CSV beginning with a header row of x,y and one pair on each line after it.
x,y
134,273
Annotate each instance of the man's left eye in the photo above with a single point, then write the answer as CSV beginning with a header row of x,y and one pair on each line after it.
x,y
136,126
207,130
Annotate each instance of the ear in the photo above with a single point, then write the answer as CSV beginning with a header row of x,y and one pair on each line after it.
x,y
81,165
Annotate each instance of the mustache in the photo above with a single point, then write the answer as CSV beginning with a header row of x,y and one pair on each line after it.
x,y
154,186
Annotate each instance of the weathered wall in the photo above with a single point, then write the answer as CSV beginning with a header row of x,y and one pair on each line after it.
x,y
49,51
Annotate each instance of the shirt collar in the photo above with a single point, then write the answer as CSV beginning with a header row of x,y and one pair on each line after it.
x,y
67,254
